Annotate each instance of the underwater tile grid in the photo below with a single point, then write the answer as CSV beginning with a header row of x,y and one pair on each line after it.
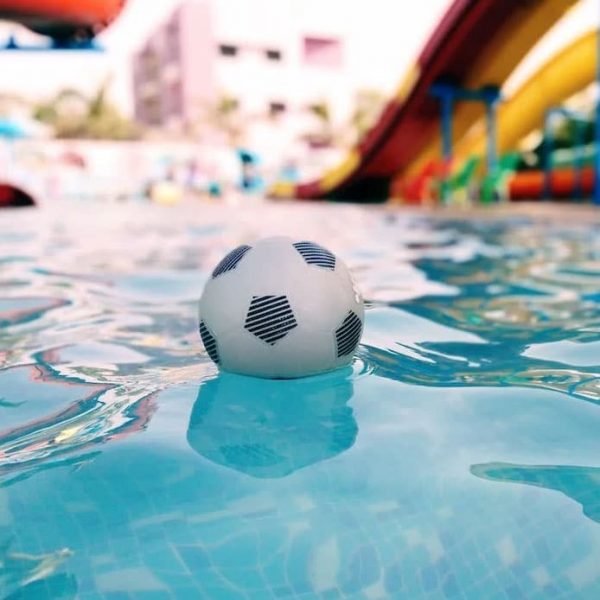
x,y
458,457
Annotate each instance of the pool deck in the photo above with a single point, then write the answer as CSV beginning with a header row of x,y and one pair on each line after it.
x,y
565,212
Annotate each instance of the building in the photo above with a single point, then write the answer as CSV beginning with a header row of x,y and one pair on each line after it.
x,y
173,73
263,62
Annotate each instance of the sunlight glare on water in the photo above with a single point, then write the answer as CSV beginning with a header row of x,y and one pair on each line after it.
x,y
458,457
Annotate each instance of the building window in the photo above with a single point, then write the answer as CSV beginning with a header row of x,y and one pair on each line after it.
x,y
322,52
276,108
273,54
228,50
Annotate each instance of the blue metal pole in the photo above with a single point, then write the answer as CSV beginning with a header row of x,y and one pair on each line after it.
x,y
492,142
447,126
597,129
578,158
447,105
546,155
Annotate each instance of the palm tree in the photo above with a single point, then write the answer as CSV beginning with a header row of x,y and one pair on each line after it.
x,y
72,114
224,116
367,108
324,136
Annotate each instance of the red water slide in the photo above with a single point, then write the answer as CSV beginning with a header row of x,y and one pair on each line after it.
x,y
63,20
477,43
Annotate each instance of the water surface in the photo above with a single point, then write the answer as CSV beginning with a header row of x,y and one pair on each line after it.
x,y
458,457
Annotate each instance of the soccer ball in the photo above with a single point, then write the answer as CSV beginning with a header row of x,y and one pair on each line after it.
x,y
281,308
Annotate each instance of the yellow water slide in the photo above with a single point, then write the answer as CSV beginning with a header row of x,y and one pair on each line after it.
x,y
568,72
572,69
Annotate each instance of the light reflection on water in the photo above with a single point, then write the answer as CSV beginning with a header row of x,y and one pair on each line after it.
x,y
274,427
127,464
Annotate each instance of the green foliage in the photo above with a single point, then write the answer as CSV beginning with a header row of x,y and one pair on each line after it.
x,y
323,136
564,138
227,105
565,132
367,108
368,104
322,111
223,115
74,115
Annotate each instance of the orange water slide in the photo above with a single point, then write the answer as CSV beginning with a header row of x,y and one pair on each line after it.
x,y
62,19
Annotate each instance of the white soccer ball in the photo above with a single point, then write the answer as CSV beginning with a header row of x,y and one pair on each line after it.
x,y
281,308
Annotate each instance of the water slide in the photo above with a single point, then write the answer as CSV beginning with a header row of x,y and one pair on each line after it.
x,y
569,71
572,69
572,174
564,183
477,43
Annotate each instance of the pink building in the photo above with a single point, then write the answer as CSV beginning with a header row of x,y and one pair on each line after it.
x,y
270,61
173,73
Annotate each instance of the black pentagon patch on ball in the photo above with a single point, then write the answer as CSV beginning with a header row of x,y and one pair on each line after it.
x,y
231,261
348,335
314,254
270,318
210,343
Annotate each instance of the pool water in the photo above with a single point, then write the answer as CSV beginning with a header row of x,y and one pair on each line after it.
x,y
458,457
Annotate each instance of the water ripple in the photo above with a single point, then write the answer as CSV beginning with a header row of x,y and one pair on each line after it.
x,y
105,306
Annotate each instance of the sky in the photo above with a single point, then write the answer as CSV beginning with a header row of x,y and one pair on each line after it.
x,y
391,32
388,22
42,74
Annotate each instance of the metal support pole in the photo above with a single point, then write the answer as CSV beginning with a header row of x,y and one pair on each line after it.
x,y
492,139
547,143
447,106
447,126
579,158
448,94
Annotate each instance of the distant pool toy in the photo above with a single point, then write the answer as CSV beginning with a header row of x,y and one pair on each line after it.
x,y
281,308
12,196
166,193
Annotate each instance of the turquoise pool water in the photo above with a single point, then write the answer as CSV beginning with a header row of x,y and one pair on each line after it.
x,y
459,456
